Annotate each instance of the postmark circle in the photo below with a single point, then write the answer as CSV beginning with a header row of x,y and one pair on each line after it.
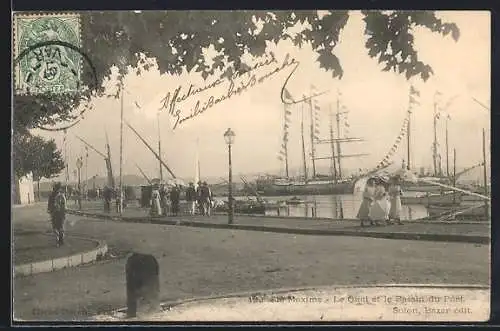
x,y
62,44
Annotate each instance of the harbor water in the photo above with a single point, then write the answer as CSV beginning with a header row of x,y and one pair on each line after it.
x,y
343,206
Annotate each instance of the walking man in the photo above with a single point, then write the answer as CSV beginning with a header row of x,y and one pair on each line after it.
x,y
191,198
57,210
199,199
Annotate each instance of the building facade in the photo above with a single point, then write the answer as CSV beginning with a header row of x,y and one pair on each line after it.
x,y
22,190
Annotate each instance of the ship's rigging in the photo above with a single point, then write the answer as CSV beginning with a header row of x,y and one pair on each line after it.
x,y
335,142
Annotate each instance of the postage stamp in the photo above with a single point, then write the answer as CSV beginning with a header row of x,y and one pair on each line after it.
x,y
41,66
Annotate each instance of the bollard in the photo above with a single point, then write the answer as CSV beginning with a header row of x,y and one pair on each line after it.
x,y
278,211
143,284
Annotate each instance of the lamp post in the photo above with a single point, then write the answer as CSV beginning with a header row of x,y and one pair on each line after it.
x,y
79,165
229,138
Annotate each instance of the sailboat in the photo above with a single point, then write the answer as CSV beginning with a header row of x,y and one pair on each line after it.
x,y
317,184
438,175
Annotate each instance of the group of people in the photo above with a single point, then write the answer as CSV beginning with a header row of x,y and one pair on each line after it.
x,y
108,194
381,201
199,199
57,211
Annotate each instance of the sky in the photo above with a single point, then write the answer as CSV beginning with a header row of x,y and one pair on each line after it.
x,y
377,102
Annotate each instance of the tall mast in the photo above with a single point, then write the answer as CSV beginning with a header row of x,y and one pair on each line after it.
x,y
454,167
111,178
435,144
447,149
121,151
312,139
485,175
285,141
143,174
408,137
332,146
159,147
151,149
339,152
303,143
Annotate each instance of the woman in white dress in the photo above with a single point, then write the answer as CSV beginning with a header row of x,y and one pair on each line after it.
x,y
379,210
395,193
364,208
155,202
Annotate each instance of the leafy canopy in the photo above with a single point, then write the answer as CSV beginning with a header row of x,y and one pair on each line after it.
x,y
36,155
177,40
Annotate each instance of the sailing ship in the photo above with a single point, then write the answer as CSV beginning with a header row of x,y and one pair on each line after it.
x,y
438,175
317,184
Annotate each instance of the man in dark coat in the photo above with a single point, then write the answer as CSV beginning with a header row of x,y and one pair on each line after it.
x,y
174,199
107,195
57,210
199,199
191,198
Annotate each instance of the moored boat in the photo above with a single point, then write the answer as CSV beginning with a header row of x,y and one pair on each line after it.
x,y
460,212
472,198
295,201
448,198
268,186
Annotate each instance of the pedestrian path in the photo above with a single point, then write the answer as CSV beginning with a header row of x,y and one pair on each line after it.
x,y
453,231
35,252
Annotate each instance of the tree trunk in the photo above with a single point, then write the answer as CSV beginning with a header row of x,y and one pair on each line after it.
x,y
38,190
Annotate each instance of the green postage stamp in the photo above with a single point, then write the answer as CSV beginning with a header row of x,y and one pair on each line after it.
x,y
50,68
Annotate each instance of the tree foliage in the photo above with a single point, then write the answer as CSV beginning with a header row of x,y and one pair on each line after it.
x,y
177,39
36,155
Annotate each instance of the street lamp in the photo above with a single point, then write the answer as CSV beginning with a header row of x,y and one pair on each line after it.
x,y
229,138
